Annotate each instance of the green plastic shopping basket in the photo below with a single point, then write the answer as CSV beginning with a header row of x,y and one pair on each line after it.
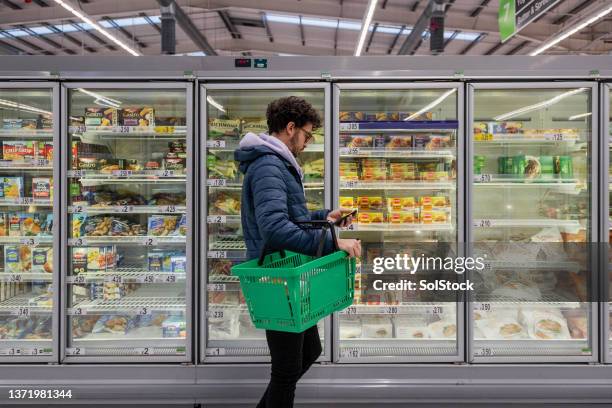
x,y
291,292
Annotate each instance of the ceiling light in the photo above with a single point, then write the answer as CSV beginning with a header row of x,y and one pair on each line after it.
x,y
101,99
97,27
571,31
539,105
365,25
19,106
431,105
582,115
215,104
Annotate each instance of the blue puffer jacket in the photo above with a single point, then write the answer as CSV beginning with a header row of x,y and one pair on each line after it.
x,y
273,197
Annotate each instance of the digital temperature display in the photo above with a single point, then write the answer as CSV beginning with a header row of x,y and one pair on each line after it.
x,y
242,63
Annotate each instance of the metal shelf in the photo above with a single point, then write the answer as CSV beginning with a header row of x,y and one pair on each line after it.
x,y
232,185
132,304
488,302
432,308
30,167
531,347
25,277
399,126
384,227
27,133
545,265
395,153
530,223
355,349
27,240
495,181
145,240
223,219
517,138
20,306
25,202
223,279
170,132
397,185
128,209
118,351
133,274
231,145
89,177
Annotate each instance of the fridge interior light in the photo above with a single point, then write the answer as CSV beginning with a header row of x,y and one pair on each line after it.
x,y
365,25
101,99
538,106
573,30
580,116
96,26
215,104
431,105
19,106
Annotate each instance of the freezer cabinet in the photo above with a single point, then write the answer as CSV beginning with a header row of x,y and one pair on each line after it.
x,y
606,258
29,114
229,111
399,166
532,200
128,221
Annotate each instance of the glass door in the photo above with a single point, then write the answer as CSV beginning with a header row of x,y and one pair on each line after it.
x,y
531,205
128,225
607,214
230,111
399,167
28,234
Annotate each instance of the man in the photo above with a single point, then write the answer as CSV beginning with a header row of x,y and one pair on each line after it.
x,y
272,199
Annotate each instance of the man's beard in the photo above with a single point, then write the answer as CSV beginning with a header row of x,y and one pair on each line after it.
x,y
293,148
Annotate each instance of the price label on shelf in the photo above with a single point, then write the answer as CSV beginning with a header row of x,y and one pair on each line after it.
x,y
216,182
167,173
435,310
484,352
219,144
168,279
167,208
487,266
483,178
77,242
146,279
217,254
553,136
122,173
144,351
215,314
349,151
76,173
216,219
113,279
144,311
390,310
76,279
76,209
40,162
349,184
77,311
352,227
15,278
212,287
75,351
26,200
217,351
351,310
351,353
149,241
22,312
484,307
349,126
124,209
29,241
11,351
484,223
122,129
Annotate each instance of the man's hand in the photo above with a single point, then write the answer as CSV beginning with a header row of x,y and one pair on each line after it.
x,y
351,246
335,215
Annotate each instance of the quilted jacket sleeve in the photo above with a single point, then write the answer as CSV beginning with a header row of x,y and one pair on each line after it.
x,y
319,214
272,215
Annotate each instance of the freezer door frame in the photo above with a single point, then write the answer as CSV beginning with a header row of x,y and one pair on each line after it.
x,y
54,87
218,353
473,86
188,87
460,212
604,238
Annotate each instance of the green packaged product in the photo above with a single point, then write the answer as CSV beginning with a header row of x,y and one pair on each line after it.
x,y
505,165
518,165
547,168
566,167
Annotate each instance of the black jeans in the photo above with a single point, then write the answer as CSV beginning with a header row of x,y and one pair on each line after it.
x,y
292,355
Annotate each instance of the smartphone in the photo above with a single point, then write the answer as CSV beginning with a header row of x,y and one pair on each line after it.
x,y
344,217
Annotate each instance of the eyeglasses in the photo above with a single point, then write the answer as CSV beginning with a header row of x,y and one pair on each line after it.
x,y
309,135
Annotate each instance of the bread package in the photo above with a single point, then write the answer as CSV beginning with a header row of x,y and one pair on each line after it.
x,y
409,328
443,329
376,327
544,323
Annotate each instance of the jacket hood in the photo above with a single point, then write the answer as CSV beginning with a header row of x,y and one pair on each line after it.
x,y
253,146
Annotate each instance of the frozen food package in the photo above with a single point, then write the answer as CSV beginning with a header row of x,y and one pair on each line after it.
x,y
399,142
83,325
370,217
225,327
443,329
161,225
577,323
116,324
360,141
14,224
31,224
409,328
401,217
223,128
347,202
501,326
137,116
255,126
41,188
350,328
544,324
178,264
370,202
153,319
18,151
376,327
101,116
4,224
42,260
12,123
12,264
174,327
438,142
12,187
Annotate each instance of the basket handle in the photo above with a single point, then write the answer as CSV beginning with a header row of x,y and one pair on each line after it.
x,y
313,224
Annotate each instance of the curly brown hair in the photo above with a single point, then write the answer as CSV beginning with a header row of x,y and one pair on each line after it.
x,y
291,109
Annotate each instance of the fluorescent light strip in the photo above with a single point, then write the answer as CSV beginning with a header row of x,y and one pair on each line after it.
x,y
365,26
19,106
215,104
101,99
539,106
582,115
97,27
571,31
432,105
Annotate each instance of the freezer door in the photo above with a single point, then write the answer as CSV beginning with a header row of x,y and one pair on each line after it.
x,y
399,166
606,139
29,114
532,215
128,221
229,111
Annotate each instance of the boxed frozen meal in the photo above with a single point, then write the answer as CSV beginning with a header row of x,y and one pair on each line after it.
x,y
3,224
79,260
115,324
42,260
370,202
370,217
178,264
12,187
361,141
137,116
223,128
12,264
401,217
255,126
399,142
408,328
11,123
14,224
161,225
376,327
438,142
29,124
31,224
174,326
400,203
347,202
101,258
18,151
44,122
41,188
544,324
97,116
